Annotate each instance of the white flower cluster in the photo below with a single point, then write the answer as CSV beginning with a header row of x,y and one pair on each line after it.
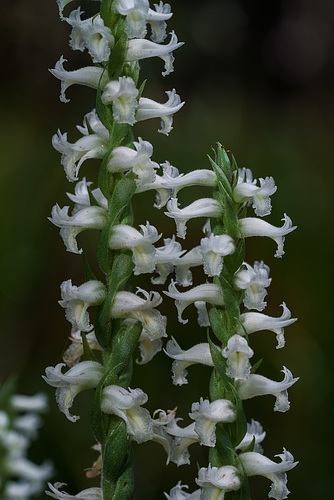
x,y
21,479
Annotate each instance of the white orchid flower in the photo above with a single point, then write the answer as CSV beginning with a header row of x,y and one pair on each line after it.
x,y
126,404
81,197
165,256
122,94
237,352
141,244
252,226
215,482
257,385
182,264
208,292
142,49
200,353
70,226
88,494
254,280
256,322
90,34
148,348
130,305
202,313
84,375
254,431
204,207
62,4
76,300
90,76
177,493
247,190
183,438
74,352
175,181
148,108
37,403
256,464
213,249
207,415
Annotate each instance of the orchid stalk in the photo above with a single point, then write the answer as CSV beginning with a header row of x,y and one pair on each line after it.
x,y
101,353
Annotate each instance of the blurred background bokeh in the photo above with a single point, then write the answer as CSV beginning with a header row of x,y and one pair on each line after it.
x,y
257,76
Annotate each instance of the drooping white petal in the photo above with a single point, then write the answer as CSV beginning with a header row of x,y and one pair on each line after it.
x,y
256,322
90,76
257,385
251,226
207,292
84,375
207,415
177,493
70,226
215,482
130,305
151,109
200,353
76,301
127,405
157,20
254,430
213,249
259,197
204,207
184,437
238,353
142,49
148,348
256,464
81,198
183,264
165,257
88,494
254,280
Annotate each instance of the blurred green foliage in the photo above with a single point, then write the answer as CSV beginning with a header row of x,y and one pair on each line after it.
x,y
259,79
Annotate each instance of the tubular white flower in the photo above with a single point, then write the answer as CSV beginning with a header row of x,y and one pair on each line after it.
x,y
37,403
254,430
254,280
71,226
90,76
204,207
176,493
213,249
256,322
127,405
200,353
148,348
90,34
157,20
81,197
123,97
26,470
136,12
183,264
207,415
175,181
139,160
129,305
74,352
88,494
184,437
143,49
151,109
215,482
28,424
256,464
238,353
202,313
164,259
84,375
159,184
247,190
251,226
207,292
62,4
257,385
141,244
76,301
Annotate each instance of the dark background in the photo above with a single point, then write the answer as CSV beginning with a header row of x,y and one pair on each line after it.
x,y
256,76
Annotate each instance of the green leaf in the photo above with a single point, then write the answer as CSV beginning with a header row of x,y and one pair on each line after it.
x,y
125,486
115,450
221,177
239,427
98,419
231,304
218,324
219,362
250,447
88,353
217,387
256,366
89,275
115,65
141,89
224,445
103,112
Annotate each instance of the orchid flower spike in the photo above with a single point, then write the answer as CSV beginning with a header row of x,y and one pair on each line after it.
x,y
90,76
207,415
257,385
122,94
256,464
208,292
215,482
247,191
143,49
251,226
177,493
127,405
70,226
84,375
141,244
76,300
200,353
213,249
88,494
254,280
148,108
130,305
254,431
204,207
256,322
237,352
